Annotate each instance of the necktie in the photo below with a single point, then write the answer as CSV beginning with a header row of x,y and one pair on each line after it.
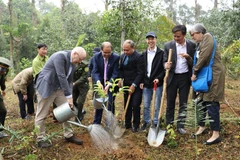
x,y
105,70
125,61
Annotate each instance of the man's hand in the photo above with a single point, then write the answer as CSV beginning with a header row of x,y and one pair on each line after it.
x,y
25,97
184,55
131,89
70,102
3,93
120,83
90,79
155,81
107,88
141,85
194,77
168,65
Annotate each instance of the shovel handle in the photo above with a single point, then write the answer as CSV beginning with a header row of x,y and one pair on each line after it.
x,y
153,100
126,107
164,87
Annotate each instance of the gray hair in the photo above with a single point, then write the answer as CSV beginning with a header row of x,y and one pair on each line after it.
x,y
198,28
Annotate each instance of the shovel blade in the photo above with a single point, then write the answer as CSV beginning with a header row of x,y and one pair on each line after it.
x,y
152,134
159,138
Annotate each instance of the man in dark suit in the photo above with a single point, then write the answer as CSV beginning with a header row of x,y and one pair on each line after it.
x,y
153,73
54,84
131,71
105,69
179,79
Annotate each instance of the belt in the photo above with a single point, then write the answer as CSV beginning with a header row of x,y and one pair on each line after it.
x,y
181,73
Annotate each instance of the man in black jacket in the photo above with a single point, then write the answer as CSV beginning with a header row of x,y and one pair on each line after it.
x,y
179,79
154,73
131,72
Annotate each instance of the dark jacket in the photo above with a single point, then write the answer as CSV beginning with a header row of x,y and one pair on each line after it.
x,y
98,67
191,48
80,76
133,72
157,70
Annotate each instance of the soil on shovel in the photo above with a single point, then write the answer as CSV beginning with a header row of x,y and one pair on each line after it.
x,y
131,146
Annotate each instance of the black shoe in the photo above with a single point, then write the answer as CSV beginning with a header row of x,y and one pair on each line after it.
x,y
145,126
181,130
217,140
44,144
84,112
135,129
194,135
73,139
128,127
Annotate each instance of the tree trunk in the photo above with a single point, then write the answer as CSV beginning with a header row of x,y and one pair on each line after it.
x,y
196,11
122,23
34,14
171,9
215,4
11,36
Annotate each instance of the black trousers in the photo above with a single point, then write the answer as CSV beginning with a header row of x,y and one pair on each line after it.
x,y
180,84
212,108
28,102
133,110
3,111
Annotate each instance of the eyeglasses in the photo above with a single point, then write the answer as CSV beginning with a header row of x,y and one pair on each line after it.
x,y
194,33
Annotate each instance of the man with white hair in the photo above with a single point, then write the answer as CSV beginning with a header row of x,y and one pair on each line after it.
x,y
54,84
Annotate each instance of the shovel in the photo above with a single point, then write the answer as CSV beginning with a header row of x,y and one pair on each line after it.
x,y
152,129
157,135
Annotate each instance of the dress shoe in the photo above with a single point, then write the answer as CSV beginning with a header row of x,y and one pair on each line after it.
x,y
217,140
3,134
73,139
44,144
84,112
135,129
181,130
194,135
145,126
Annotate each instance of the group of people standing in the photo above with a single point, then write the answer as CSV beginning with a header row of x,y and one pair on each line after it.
x,y
140,71
57,80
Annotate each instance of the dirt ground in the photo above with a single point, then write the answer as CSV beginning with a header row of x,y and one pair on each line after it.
x,y
131,146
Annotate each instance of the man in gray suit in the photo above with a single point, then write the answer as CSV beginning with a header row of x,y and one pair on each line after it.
x,y
54,84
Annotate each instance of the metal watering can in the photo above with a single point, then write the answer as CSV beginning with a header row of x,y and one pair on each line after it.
x,y
64,112
98,101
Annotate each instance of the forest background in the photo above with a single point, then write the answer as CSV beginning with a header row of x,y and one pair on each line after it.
x,y
25,23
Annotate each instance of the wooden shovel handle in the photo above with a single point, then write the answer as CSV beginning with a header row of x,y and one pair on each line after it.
x,y
126,107
165,86
153,100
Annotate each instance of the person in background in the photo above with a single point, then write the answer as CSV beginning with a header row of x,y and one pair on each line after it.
x,y
54,84
80,87
215,94
179,79
23,86
38,62
153,73
105,69
131,72
4,68
90,67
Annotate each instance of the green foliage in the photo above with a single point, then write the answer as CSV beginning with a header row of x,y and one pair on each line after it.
x,y
25,63
231,59
171,140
